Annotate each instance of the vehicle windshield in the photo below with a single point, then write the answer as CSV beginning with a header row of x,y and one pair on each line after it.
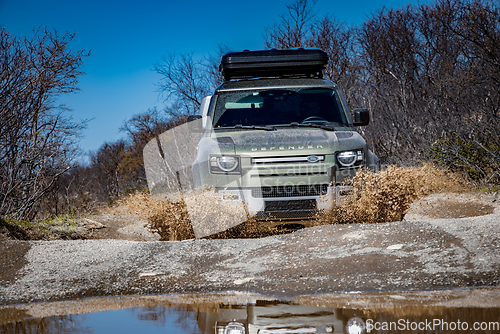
x,y
277,107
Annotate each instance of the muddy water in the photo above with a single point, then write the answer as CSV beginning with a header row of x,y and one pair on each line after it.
x,y
454,311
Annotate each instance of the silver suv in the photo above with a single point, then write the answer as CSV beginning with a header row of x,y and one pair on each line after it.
x,y
277,136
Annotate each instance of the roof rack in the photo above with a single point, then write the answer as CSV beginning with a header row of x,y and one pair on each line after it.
x,y
274,63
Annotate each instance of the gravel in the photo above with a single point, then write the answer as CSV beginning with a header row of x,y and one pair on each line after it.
x,y
419,254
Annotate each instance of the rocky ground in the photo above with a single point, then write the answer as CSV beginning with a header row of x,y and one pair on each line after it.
x,y
425,251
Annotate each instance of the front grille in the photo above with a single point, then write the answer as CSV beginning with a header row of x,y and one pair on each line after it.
x,y
290,206
296,209
290,191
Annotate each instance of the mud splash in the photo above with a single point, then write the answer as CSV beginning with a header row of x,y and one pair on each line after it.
x,y
380,197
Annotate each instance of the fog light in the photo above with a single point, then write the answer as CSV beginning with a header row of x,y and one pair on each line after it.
x,y
234,328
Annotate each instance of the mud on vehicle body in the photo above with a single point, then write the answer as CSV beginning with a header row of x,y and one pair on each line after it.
x,y
277,136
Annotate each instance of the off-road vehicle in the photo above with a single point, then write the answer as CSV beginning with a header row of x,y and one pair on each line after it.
x,y
277,136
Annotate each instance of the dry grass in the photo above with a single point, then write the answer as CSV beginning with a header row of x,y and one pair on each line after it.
x,y
377,197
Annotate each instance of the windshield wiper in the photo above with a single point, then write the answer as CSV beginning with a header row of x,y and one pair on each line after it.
x,y
308,125
248,127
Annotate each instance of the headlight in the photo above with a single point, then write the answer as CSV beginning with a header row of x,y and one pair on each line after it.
x,y
225,164
355,326
234,328
349,158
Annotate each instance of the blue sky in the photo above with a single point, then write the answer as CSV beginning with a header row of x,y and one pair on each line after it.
x,y
126,38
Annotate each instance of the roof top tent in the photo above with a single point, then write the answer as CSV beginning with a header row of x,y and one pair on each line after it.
x,y
274,63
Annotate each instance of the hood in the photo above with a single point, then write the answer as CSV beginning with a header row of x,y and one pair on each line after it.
x,y
291,141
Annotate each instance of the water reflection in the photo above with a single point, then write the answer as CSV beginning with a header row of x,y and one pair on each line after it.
x,y
255,317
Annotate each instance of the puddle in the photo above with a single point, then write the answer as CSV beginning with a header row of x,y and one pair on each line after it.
x,y
456,311
452,206
455,209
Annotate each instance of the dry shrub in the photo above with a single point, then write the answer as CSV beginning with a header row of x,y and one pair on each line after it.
x,y
387,195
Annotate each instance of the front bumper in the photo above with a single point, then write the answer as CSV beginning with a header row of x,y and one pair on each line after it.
x,y
291,204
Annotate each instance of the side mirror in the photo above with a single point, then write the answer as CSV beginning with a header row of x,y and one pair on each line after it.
x,y
195,123
361,117
204,105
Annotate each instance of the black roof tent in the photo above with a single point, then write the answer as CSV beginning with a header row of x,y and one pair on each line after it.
x,y
274,63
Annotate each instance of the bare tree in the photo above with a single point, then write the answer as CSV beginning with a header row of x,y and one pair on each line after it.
x,y
431,79
212,62
473,148
390,49
140,129
37,137
338,41
185,82
294,27
105,168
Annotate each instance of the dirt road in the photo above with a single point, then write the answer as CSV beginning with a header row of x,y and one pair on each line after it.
x,y
426,253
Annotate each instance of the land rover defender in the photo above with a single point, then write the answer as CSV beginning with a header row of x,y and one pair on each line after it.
x,y
277,136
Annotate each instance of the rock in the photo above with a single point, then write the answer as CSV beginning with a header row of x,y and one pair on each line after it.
x,y
91,224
